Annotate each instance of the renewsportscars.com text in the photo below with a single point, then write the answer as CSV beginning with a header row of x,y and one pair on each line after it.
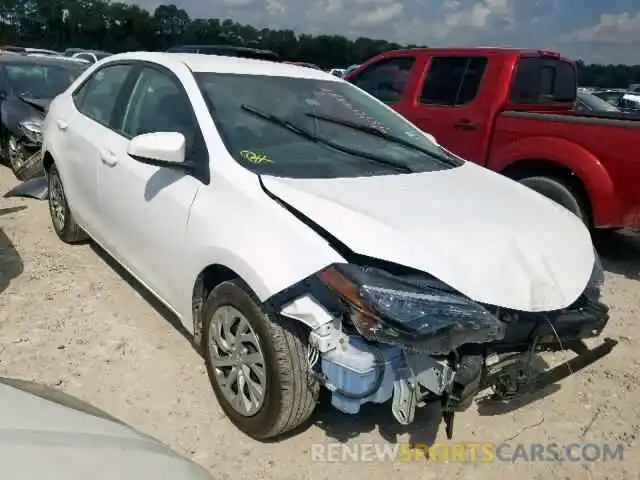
x,y
467,452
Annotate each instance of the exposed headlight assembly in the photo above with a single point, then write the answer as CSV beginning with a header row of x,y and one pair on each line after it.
x,y
32,129
422,313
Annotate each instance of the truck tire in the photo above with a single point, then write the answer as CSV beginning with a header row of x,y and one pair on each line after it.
x,y
561,192
257,363
62,219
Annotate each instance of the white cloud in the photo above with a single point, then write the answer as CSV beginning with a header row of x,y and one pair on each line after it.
x,y
623,28
516,23
479,15
380,15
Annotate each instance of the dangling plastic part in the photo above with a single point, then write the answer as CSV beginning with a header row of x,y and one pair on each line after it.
x,y
404,401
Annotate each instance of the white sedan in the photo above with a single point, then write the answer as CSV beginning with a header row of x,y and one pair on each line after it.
x,y
308,236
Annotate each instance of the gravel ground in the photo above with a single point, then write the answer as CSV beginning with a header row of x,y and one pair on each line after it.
x,y
71,319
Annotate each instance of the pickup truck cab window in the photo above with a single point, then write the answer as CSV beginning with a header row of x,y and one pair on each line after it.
x,y
387,79
97,97
542,80
453,81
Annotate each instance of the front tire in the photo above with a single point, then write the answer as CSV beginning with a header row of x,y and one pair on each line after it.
x,y
257,363
63,222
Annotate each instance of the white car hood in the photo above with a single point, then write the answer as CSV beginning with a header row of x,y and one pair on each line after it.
x,y
490,238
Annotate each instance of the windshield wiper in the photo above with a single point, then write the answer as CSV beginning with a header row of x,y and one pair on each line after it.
x,y
376,132
313,138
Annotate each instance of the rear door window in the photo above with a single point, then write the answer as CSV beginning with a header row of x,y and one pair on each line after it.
x,y
386,79
453,81
543,80
97,97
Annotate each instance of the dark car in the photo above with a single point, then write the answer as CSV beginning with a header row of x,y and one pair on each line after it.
x,y
227,51
27,85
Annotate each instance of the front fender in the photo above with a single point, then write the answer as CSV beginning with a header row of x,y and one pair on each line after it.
x,y
247,232
587,167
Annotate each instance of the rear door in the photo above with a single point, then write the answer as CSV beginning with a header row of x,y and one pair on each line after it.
x,y
85,135
449,105
147,207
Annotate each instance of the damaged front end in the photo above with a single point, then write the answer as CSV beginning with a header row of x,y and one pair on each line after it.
x,y
385,332
23,150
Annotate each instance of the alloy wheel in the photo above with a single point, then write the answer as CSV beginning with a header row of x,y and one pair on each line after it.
x,y
238,360
57,204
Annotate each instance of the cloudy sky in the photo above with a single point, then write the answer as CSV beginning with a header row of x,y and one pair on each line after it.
x,y
603,31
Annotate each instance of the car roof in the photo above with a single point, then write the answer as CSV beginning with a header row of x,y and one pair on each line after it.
x,y
39,60
222,64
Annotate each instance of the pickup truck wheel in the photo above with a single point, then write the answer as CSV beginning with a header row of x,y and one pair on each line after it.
x,y
560,192
257,363
63,223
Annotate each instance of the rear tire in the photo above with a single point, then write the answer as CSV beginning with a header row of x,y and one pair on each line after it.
x,y
290,391
61,217
561,192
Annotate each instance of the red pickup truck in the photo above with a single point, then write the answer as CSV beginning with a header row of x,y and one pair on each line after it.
x,y
513,111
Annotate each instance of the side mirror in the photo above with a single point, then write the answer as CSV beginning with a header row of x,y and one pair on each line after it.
x,y
161,149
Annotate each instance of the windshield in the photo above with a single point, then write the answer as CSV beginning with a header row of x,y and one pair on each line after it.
x,y
308,116
595,103
39,81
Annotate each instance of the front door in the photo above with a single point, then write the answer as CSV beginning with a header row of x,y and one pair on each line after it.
x,y
148,206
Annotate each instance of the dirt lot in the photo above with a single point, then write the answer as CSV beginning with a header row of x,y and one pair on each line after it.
x,y
70,319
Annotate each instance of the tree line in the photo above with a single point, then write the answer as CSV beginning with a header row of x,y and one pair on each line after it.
x,y
118,27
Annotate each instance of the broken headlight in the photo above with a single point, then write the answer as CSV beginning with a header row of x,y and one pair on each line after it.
x,y
32,129
421,312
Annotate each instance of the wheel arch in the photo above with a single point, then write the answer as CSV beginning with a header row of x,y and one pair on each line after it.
x,y
549,168
209,278
564,155
47,161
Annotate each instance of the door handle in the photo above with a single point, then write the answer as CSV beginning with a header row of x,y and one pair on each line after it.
x,y
465,124
109,158
62,125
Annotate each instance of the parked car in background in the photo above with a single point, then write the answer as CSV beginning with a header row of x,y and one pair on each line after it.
x,y
630,102
337,72
227,51
305,64
41,51
12,49
612,96
91,56
49,434
308,236
70,52
350,69
587,102
510,111
27,86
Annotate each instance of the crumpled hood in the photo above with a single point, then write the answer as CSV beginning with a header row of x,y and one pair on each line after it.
x,y
42,104
490,238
